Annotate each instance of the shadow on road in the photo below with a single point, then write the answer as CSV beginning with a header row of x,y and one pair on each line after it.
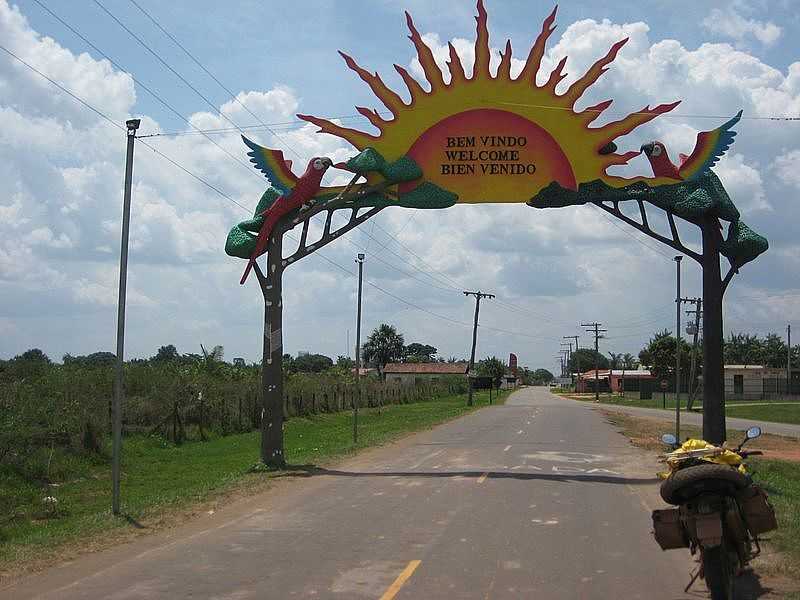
x,y
749,586
313,470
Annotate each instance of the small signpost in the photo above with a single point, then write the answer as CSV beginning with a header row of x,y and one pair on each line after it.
x,y
664,385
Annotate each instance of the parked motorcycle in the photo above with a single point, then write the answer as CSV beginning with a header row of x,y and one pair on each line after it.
x,y
720,511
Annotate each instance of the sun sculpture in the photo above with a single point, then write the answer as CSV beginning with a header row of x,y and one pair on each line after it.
x,y
492,136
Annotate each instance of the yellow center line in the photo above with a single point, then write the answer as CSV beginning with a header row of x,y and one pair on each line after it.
x,y
391,592
483,477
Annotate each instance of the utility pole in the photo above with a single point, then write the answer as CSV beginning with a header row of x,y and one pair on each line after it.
x,y
788,360
678,260
478,295
577,357
360,261
565,362
698,302
595,329
569,356
119,392
560,357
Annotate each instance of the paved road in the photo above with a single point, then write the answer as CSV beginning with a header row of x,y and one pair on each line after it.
x,y
540,498
693,418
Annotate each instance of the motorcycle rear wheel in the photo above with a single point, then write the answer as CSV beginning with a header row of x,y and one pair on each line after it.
x,y
719,572
690,482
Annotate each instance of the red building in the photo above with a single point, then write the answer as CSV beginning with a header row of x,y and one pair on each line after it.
x,y
613,380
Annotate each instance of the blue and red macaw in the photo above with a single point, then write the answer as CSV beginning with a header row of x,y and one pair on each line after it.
x,y
708,149
296,192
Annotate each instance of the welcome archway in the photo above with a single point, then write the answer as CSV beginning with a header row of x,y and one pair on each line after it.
x,y
492,137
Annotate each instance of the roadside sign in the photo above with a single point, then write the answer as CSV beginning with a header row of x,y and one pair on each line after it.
x,y
664,384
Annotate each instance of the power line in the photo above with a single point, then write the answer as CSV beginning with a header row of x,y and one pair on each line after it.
x,y
166,65
668,115
63,89
144,87
289,125
300,123
210,74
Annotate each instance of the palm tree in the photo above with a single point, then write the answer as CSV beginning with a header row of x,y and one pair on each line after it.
x,y
384,345
629,361
616,360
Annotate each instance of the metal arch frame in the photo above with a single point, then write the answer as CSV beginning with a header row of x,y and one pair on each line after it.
x,y
270,283
673,242
714,288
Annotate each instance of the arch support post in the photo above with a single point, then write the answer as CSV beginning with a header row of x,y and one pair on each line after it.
x,y
272,357
713,364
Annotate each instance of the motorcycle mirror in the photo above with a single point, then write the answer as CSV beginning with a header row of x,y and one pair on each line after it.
x,y
669,439
753,433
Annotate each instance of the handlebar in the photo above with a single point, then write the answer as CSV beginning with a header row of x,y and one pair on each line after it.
x,y
745,454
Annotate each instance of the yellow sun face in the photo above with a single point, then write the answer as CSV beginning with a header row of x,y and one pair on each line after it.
x,y
496,138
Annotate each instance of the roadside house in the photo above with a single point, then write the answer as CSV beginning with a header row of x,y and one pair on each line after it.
x,y
613,380
753,382
410,373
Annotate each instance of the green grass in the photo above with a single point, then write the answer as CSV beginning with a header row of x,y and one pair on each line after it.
x,y
158,476
777,412
781,480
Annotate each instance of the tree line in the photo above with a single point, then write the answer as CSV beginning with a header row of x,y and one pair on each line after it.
x,y
658,355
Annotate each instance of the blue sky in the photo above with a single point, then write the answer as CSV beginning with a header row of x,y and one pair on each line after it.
x,y
550,270
254,45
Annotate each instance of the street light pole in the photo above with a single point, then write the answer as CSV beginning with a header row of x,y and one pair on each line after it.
x,y
116,409
678,347
360,261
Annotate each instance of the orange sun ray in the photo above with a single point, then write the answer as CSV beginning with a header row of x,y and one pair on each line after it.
x,y
504,69
534,60
592,112
414,88
481,66
556,75
613,130
457,74
389,98
576,90
359,139
432,71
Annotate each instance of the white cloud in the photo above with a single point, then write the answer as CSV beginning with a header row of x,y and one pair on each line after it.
x,y
60,216
730,23
744,183
787,166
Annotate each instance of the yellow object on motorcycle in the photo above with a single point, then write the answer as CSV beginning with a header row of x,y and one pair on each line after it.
x,y
702,450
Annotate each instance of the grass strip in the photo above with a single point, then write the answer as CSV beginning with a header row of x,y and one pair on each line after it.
x,y
163,483
775,412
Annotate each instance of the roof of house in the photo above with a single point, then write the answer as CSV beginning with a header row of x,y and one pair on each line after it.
x,y
427,368
748,367
632,372
601,374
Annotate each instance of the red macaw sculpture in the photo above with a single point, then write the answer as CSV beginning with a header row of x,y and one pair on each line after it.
x,y
307,186
708,149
